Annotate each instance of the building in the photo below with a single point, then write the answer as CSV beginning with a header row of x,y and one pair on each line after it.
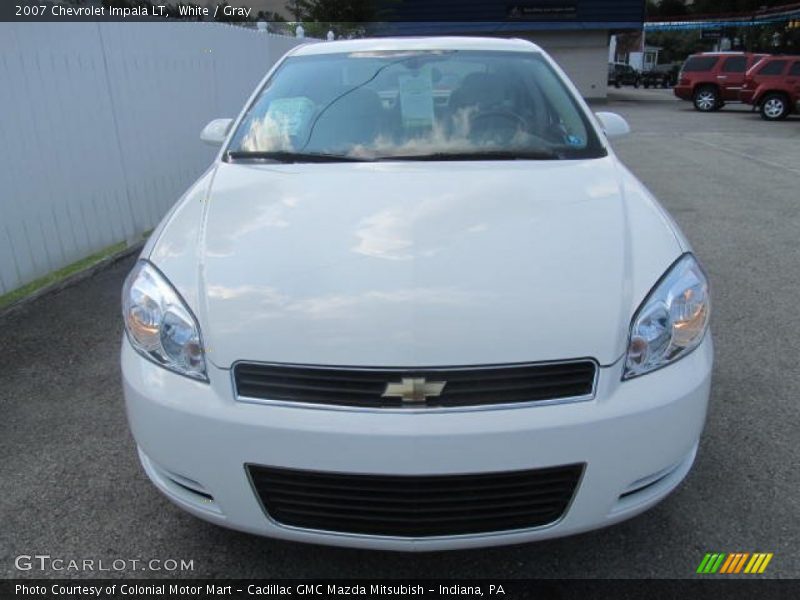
x,y
575,32
632,50
644,60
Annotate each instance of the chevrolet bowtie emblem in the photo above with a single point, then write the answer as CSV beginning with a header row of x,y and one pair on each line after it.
x,y
414,390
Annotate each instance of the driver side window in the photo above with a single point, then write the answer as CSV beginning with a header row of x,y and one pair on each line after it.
x,y
563,118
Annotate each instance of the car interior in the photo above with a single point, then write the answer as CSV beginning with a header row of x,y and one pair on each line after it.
x,y
468,104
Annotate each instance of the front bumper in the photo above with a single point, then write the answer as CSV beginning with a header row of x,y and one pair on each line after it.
x,y
194,439
684,92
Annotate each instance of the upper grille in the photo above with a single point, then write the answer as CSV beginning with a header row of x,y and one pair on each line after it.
x,y
466,386
415,506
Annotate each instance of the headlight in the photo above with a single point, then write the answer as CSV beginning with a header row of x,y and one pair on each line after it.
x,y
159,324
672,320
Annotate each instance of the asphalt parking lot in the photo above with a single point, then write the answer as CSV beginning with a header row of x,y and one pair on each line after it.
x,y
71,486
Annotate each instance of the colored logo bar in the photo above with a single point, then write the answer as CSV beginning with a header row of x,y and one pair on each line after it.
x,y
734,563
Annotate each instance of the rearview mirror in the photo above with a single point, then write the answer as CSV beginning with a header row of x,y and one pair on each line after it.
x,y
216,131
613,124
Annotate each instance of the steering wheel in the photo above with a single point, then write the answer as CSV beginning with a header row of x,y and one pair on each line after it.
x,y
483,125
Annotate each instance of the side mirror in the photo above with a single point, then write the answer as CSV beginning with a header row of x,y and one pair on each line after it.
x,y
216,131
613,125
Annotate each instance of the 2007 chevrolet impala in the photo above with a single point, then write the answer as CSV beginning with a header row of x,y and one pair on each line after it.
x,y
416,303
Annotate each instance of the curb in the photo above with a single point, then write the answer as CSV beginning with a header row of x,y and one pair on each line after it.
x,y
72,279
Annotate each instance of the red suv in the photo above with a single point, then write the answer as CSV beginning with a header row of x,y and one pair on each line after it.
x,y
773,85
711,79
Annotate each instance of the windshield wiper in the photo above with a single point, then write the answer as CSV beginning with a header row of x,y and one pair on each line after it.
x,y
480,155
290,157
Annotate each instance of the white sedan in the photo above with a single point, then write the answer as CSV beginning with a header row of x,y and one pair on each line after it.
x,y
416,303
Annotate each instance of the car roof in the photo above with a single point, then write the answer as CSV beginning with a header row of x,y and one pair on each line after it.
x,y
416,43
729,53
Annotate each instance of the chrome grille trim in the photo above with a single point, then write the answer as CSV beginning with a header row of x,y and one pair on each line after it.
x,y
398,371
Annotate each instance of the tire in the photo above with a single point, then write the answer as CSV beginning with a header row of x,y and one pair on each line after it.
x,y
617,83
774,107
665,82
706,99
646,85
636,83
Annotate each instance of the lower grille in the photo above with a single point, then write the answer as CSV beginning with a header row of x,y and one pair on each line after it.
x,y
462,386
415,506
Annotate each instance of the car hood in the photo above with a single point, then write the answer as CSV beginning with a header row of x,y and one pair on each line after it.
x,y
415,264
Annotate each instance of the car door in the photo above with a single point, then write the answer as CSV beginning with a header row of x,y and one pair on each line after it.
x,y
731,76
793,82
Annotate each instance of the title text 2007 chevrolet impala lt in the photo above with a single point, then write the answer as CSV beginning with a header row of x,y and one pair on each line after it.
x,y
416,303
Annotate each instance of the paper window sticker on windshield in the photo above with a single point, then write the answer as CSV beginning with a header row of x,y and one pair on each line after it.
x,y
575,140
290,114
416,99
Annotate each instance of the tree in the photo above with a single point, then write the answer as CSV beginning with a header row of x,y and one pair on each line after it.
x,y
346,18
333,11
666,8
703,7
676,45
266,15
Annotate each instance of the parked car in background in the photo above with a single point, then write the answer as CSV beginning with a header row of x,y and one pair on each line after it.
x,y
664,76
773,86
710,79
620,74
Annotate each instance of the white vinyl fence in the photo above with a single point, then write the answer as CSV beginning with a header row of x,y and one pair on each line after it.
x,y
99,128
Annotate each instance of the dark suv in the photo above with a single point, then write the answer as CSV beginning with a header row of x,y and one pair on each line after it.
x,y
665,75
620,74
773,85
711,79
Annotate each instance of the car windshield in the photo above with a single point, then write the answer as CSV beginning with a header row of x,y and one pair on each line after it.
x,y
415,105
